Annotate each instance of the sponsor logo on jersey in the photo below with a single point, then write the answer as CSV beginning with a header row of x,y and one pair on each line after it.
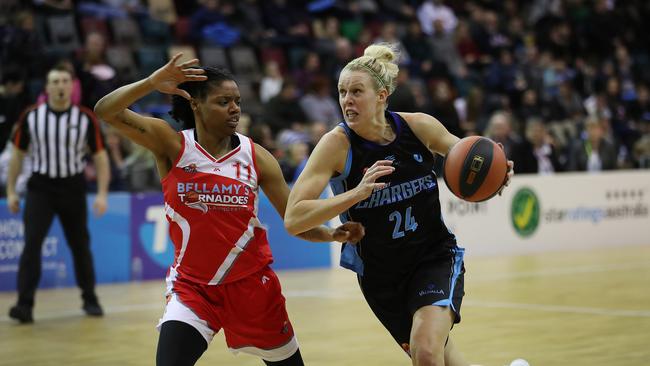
x,y
190,168
193,200
431,289
398,192
203,196
525,212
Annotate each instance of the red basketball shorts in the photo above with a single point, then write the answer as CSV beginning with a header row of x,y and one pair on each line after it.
x,y
251,312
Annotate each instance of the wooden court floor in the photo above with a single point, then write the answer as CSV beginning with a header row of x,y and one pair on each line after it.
x,y
584,308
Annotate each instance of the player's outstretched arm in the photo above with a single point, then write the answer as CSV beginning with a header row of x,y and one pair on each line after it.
x,y
152,133
436,137
430,132
305,210
277,190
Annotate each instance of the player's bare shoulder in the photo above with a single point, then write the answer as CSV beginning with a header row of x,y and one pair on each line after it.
x,y
332,150
335,139
417,118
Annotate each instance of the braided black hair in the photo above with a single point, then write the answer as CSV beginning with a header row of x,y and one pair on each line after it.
x,y
181,108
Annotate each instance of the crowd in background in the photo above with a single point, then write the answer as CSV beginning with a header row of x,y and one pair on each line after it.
x,y
563,85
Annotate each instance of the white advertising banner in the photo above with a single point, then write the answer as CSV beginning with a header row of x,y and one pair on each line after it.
x,y
558,212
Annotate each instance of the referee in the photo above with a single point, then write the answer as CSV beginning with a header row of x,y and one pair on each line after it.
x,y
57,135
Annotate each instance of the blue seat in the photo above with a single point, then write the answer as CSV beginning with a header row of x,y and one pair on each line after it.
x,y
151,58
63,32
155,31
126,32
214,56
244,62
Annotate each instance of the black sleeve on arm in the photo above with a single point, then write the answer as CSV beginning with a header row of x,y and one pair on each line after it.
x,y
94,136
20,136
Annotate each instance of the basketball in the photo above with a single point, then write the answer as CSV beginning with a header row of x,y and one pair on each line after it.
x,y
475,168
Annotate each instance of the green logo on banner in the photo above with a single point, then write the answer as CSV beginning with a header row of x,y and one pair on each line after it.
x,y
525,212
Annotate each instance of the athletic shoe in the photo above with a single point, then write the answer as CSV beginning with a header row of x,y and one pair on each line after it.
x,y
21,313
93,309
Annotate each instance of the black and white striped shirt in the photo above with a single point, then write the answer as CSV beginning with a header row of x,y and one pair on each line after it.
x,y
58,140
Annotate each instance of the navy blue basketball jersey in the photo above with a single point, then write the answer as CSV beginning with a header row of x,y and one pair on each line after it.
x,y
402,221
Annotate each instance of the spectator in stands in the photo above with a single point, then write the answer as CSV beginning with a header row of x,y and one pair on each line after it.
x,y
467,47
283,110
325,34
567,104
244,124
536,154
504,76
445,52
139,169
401,10
97,76
403,97
344,53
13,100
118,151
316,131
475,114
443,109
432,10
22,45
294,159
593,152
309,70
641,152
553,65
271,83
639,109
497,38
500,130
530,106
389,35
208,13
261,133
287,24
250,21
417,45
318,104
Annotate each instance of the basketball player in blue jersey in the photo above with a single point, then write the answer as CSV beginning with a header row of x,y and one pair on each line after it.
x,y
380,166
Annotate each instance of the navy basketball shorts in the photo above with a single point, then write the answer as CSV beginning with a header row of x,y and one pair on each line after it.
x,y
436,280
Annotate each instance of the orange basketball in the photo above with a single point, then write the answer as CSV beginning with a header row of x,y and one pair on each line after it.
x,y
475,168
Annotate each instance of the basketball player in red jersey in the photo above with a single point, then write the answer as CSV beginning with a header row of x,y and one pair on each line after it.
x,y
220,277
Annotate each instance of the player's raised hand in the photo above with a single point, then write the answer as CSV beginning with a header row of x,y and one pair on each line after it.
x,y
350,232
368,183
167,78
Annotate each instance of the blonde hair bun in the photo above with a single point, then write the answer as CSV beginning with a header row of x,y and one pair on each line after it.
x,y
381,52
378,60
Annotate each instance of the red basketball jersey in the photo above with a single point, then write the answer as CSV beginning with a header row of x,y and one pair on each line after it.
x,y
211,205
